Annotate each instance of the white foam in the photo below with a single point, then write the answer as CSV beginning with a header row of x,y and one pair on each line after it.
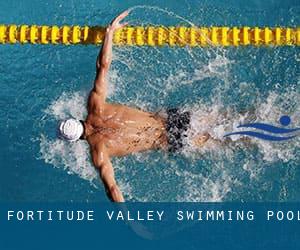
x,y
174,182
216,121
72,157
271,110
68,105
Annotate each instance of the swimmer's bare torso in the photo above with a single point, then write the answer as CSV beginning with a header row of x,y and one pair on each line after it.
x,y
113,129
122,130
118,130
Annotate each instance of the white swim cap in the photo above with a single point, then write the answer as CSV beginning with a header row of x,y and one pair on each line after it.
x,y
70,130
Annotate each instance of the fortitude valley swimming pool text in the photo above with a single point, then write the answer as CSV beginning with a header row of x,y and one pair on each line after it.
x,y
149,215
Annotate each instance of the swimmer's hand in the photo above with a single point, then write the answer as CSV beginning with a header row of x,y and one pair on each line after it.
x,y
105,57
115,24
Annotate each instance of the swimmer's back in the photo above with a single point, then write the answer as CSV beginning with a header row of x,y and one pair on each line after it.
x,y
126,130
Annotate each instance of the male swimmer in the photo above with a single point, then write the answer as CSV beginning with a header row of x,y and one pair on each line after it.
x,y
117,130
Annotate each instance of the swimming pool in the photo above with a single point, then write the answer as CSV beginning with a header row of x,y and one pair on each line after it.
x,y
42,84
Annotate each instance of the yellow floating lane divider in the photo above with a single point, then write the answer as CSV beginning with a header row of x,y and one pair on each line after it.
x,y
152,35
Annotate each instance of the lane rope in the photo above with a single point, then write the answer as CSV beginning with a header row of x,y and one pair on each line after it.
x,y
152,35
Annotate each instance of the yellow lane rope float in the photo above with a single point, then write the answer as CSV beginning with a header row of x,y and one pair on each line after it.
x,y
152,36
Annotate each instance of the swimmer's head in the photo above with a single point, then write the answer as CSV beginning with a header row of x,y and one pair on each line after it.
x,y
70,130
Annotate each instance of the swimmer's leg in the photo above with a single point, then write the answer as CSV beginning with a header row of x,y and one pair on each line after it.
x,y
200,140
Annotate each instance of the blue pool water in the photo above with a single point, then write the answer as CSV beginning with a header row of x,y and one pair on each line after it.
x,y
42,84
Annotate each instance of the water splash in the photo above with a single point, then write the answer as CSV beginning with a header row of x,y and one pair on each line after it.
x,y
74,158
215,85
192,185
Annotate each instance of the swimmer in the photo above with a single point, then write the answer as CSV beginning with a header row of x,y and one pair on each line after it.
x,y
114,130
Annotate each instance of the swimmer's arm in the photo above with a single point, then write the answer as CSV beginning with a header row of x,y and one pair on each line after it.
x,y
103,164
103,64
105,56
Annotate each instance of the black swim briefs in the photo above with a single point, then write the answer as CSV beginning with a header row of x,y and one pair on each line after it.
x,y
177,124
